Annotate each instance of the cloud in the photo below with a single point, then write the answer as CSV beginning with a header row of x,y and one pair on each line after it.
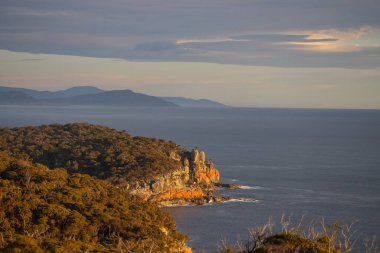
x,y
208,40
349,48
155,46
281,38
334,40
32,59
259,32
330,40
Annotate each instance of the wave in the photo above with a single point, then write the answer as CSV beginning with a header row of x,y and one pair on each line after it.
x,y
245,200
179,205
247,187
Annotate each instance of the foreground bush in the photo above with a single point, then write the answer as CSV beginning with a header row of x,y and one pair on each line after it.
x,y
43,210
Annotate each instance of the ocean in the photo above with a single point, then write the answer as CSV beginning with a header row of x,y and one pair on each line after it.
x,y
296,162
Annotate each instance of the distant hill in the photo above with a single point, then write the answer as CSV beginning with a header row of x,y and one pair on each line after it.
x,y
33,93
16,98
74,91
115,97
90,95
188,102
81,95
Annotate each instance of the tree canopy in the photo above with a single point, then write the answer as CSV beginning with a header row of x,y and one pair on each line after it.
x,y
91,149
50,210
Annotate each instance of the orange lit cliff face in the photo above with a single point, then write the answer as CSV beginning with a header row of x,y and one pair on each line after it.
x,y
201,170
206,173
193,181
179,194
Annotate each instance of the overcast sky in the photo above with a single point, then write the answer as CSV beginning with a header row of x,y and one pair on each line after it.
x,y
286,53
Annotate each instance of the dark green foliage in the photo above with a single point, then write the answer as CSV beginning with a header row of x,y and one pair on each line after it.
x,y
95,150
293,242
288,243
51,210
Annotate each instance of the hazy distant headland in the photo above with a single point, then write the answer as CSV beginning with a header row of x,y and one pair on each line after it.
x,y
89,95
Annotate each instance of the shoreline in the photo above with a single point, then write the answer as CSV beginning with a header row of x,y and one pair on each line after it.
x,y
229,200
210,200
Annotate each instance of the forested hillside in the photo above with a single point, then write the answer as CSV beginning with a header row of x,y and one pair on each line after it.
x,y
43,210
95,150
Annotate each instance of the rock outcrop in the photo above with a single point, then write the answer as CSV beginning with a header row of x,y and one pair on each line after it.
x,y
192,182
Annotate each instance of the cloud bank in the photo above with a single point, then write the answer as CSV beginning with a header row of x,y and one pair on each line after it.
x,y
291,33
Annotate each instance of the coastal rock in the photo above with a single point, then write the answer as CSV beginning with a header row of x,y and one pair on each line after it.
x,y
202,157
192,182
219,199
186,194
206,173
228,186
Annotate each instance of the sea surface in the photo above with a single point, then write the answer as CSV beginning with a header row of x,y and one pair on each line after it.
x,y
298,162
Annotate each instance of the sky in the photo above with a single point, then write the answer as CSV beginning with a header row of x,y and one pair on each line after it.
x,y
260,53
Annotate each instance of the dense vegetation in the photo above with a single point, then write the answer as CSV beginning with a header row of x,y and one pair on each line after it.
x,y
90,149
43,210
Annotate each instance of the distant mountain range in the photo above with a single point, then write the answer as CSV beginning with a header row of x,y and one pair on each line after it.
x,y
89,95
74,91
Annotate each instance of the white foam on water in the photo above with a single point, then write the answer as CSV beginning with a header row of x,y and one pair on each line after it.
x,y
247,187
180,205
244,200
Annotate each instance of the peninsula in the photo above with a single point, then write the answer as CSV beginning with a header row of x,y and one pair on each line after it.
x,y
156,170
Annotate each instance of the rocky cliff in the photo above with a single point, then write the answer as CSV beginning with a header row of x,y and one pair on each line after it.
x,y
192,182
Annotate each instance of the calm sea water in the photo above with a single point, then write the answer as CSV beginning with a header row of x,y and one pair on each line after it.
x,y
317,163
